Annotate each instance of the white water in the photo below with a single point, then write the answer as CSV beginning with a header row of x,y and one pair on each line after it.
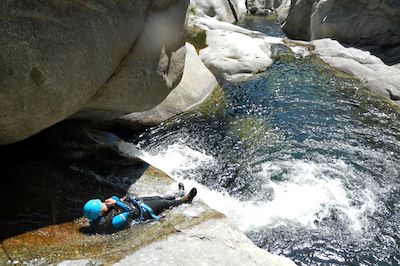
x,y
307,193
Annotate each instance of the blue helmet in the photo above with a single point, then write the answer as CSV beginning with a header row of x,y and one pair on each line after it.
x,y
92,209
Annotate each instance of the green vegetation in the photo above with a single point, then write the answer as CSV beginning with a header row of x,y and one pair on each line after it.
x,y
214,105
197,37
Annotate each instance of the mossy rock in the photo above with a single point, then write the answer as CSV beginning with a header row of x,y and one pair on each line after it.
x,y
214,105
197,37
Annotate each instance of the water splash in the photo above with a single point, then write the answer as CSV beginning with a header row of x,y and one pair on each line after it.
x,y
305,193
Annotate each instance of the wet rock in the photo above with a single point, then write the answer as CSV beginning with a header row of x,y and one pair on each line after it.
x,y
96,58
196,84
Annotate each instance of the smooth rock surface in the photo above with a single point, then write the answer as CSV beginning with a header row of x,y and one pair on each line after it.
x,y
369,69
113,57
297,22
233,51
214,242
150,71
196,84
283,10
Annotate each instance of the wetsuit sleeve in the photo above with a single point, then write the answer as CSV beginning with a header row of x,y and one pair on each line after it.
x,y
119,204
120,220
104,223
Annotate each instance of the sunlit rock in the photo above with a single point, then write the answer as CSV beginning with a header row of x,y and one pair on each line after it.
x,y
369,69
205,244
196,84
230,53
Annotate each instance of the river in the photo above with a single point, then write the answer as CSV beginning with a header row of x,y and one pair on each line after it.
x,y
305,161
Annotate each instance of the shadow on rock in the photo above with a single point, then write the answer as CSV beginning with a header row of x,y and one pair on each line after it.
x,y
46,179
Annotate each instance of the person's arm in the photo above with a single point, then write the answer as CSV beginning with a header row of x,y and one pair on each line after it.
x,y
104,223
115,201
120,220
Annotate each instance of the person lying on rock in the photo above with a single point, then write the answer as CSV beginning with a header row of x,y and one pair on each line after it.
x,y
118,213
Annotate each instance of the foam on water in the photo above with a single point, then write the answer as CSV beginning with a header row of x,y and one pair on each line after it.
x,y
305,193
308,192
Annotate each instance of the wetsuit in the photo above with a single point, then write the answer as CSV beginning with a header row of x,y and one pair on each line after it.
x,y
124,212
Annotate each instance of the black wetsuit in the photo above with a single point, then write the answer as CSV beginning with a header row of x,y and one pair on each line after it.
x,y
124,212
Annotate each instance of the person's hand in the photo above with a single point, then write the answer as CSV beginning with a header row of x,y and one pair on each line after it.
x,y
110,201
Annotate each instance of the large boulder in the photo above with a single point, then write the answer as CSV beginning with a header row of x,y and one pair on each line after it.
x,y
233,52
151,70
105,57
196,84
363,22
297,22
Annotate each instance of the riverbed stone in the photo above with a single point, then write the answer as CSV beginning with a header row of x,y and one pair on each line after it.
x,y
100,58
196,84
374,74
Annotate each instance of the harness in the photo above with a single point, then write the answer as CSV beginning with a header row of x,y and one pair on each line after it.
x,y
143,208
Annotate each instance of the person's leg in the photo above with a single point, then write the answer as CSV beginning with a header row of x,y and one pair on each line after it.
x,y
157,198
159,204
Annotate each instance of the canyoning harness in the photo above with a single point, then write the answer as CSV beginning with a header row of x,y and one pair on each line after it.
x,y
143,208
